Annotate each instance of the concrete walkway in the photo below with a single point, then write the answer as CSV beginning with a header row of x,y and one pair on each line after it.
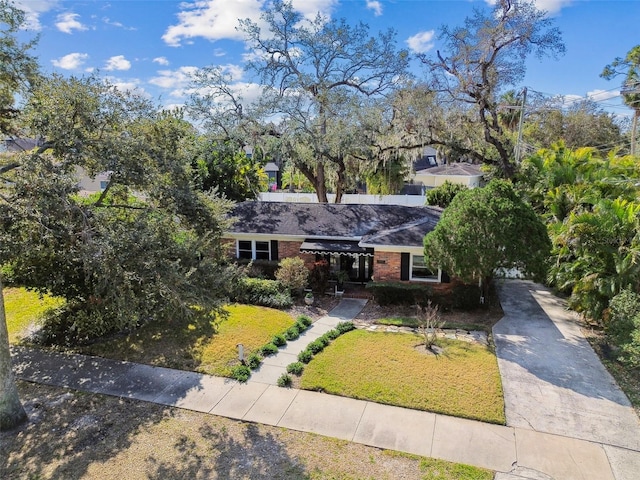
x,y
554,382
275,365
514,451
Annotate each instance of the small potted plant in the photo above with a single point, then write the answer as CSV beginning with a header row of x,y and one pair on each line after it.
x,y
308,298
341,277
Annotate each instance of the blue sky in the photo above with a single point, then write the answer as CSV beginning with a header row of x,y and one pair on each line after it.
x,y
153,45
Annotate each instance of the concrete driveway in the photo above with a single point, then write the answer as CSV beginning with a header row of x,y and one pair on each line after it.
x,y
554,382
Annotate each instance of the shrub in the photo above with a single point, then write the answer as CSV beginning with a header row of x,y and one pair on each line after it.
x,y
241,373
305,356
305,320
268,293
284,380
442,195
319,277
301,326
332,334
623,326
269,349
253,361
466,297
324,339
344,327
316,346
279,340
295,368
293,274
396,293
292,333
265,269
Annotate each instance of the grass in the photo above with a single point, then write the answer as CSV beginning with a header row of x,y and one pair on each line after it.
x,y
23,308
89,436
189,346
387,368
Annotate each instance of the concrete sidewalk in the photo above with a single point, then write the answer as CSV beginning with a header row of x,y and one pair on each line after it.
x,y
514,452
517,451
275,365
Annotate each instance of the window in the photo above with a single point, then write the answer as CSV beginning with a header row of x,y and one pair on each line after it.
x,y
420,272
254,249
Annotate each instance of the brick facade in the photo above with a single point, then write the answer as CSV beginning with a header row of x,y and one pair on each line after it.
x,y
292,249
386,266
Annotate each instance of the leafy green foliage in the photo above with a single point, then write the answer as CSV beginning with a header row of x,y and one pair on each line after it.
x,y
305,356
344,327
398,293
292,333
147,248
304,320
295,368
444,194
253,361
332,334
316,346
589,203
284,380
268,349
485,229
279,340
241,373
293,274
623,326
257,291
226,168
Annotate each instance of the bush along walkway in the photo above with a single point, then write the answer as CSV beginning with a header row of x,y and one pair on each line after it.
x,y
273,367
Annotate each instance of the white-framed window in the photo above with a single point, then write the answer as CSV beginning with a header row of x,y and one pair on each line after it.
x,y
254,249
420,272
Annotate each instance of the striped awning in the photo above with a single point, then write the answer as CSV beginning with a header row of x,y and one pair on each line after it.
x,y
340,247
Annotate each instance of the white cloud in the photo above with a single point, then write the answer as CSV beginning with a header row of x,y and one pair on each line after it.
x,y
376,6
550,6
218,19
68,22
71,61
132,85
601,95
33,9
175,80
161,61
117,62
421,42
310,8
211,19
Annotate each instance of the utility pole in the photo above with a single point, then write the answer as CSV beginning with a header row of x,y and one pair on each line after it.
x,y
520,123
633,90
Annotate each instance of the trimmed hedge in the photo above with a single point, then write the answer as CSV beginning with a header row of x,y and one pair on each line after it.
x,y
396,293
267,293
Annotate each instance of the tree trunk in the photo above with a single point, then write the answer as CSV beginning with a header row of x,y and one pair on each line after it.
x,y
634,130
320,183
11,412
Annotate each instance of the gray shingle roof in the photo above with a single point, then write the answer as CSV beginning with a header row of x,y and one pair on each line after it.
x,y
376,223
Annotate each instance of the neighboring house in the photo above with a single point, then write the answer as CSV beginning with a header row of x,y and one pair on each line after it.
x,y
463,173
369,242
89,185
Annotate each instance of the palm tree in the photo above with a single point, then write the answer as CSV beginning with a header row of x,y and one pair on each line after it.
x,y
629,66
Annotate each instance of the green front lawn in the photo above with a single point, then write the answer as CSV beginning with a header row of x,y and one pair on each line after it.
x,y
387,368
23,308
190,346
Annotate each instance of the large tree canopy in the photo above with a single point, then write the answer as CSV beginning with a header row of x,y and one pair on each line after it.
x,y
484,57
484,229
145,248
314,72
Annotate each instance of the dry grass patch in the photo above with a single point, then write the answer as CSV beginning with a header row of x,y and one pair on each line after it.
x,y
84,436
24,308
196,346
387,368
